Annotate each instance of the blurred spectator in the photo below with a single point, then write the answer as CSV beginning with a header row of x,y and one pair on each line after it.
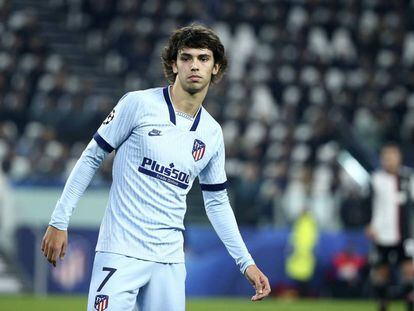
x,y
301,262
354,213
246,190
349,273
7,212
298,195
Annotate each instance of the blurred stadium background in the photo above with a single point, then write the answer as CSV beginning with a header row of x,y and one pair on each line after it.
x,y
314,88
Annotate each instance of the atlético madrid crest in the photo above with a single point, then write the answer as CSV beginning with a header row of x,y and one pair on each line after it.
x,y
199,148
101,302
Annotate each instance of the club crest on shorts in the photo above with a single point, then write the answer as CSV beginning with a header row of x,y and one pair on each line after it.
x,y
199,149
101,302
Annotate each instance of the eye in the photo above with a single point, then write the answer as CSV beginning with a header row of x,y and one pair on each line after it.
x,y
185,58
204,58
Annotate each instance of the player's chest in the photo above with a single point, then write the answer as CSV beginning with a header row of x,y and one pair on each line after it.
x,y
391,189
172,147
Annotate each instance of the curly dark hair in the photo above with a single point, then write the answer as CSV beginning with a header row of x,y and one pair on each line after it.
x,y
193,36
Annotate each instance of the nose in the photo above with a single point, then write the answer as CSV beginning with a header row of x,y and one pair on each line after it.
x,y
194,65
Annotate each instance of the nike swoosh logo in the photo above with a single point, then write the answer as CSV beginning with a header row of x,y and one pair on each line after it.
x,y
154,132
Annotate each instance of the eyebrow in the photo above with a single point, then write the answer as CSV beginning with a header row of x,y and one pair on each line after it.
x,y
191,55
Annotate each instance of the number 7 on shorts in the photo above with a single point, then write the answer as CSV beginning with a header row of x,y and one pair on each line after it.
x,y
111,272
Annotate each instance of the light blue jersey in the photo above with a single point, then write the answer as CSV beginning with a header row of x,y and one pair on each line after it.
x,y
157,159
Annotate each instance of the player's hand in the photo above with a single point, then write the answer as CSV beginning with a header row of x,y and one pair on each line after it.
x,y
259,281
54,244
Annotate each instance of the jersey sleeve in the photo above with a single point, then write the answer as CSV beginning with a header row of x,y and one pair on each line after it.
x,y
75,186
118,125
213,176
221,216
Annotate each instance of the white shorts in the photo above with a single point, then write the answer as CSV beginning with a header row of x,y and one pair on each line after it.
x,y
122,283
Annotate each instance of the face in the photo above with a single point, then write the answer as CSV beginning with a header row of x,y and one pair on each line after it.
x,y
391,159
194,69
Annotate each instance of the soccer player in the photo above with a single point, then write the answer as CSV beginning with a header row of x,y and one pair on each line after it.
x,y
163,139
391,201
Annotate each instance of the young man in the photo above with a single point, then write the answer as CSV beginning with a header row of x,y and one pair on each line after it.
x,y
391,201
163,139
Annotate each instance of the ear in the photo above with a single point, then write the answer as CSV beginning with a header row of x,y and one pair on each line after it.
x,y
174,67
216,69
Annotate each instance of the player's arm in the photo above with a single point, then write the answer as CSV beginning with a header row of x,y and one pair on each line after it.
x,y
219,212
222,218
54,242
112,133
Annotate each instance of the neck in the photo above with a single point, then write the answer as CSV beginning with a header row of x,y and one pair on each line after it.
x,y
393,171
186,102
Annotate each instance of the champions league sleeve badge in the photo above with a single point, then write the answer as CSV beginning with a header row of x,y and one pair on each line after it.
x,y
110,117
199,149
101,302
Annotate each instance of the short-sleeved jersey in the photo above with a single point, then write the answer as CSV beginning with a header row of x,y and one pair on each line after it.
x,y
154,168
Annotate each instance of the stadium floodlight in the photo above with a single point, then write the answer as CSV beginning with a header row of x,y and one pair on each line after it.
x,y
354,169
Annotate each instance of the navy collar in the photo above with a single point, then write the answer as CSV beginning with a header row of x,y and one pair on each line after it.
x,y
172,111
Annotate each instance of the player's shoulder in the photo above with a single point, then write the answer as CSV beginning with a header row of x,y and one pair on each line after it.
x,y
141,100
210,124
142,95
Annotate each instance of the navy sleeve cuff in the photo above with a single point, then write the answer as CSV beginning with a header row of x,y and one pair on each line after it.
x,y
213,187
102,143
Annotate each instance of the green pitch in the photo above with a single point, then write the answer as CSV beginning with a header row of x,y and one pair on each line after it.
x,y
74,303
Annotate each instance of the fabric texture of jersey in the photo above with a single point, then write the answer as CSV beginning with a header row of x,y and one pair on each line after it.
x,y
154,168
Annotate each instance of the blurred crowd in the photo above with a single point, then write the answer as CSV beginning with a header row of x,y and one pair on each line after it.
x,y
307,79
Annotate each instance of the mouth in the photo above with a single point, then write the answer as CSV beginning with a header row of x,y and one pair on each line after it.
x,y
194,78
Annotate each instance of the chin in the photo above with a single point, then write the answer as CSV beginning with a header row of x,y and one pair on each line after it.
x,y
193,89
